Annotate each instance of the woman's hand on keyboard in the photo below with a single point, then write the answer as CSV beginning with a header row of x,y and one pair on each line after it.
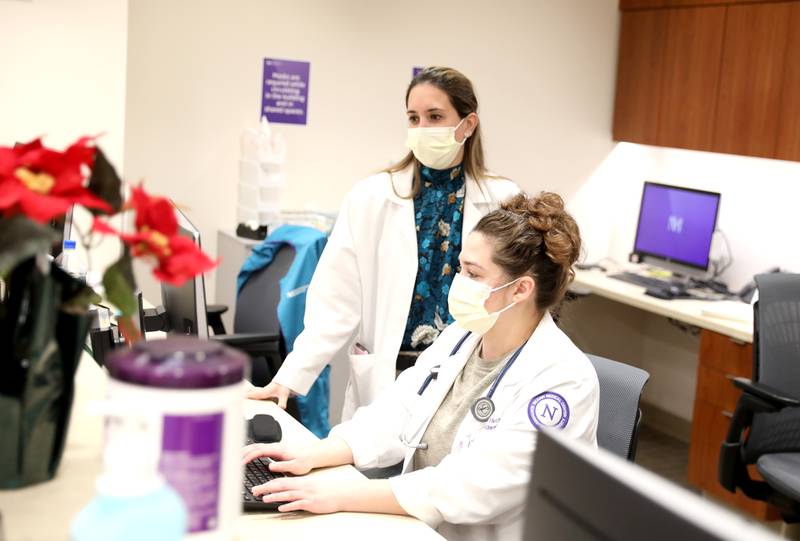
x,y
291,459
301,459
321,494
312,494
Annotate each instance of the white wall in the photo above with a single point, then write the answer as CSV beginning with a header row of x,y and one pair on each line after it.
x,y
758,209
63,71
62,75
544,72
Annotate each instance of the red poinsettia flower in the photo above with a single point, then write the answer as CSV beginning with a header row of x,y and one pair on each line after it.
x,y
42,183
157,236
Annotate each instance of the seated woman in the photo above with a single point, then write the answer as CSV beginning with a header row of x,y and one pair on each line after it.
x,y
464,418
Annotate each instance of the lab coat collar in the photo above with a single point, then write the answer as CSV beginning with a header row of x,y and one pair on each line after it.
x,y
402,181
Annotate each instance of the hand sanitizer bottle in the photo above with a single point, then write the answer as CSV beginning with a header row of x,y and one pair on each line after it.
x,y
133,501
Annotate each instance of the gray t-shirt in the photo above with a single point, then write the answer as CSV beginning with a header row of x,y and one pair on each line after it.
x,y
470,385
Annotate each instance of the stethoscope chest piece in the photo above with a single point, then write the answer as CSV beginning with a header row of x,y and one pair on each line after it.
x,y
482,409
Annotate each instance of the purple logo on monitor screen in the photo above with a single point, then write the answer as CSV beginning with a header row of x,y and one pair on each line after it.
x,y
677,224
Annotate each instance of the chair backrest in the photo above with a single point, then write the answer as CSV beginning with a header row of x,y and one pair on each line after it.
x,y
776,332
620,390
257,303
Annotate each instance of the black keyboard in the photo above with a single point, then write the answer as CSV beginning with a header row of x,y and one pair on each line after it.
x,y
640,280
257,473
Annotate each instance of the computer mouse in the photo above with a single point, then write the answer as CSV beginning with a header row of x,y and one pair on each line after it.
x,y
264,428
665,293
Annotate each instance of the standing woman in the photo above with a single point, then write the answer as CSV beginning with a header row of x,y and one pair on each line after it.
x,y
380,289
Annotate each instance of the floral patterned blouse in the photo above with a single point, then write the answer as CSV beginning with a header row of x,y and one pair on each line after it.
x,y
439,215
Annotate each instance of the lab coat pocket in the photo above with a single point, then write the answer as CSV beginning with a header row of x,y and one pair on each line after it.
x,y
364,378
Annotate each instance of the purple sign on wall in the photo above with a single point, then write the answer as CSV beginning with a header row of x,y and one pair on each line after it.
x,y
416,70
285,92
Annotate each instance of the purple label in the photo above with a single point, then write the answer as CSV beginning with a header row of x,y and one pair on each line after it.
x,y
285,94
190,461
416,70
548,409
677,224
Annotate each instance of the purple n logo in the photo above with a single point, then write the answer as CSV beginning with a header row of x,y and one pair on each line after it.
x,y
551,412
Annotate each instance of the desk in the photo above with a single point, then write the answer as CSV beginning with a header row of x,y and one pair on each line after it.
x,y
44,512
679,364
688,311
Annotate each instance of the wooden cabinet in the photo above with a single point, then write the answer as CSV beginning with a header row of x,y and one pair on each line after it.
x,y
788,146
751,79
669,63
721,359
639,72
723,77
651,4
692,54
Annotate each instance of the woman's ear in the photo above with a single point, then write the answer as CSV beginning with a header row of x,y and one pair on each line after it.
x,y
471,124
526,289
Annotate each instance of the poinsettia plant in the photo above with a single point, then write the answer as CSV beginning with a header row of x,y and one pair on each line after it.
x,y
39,185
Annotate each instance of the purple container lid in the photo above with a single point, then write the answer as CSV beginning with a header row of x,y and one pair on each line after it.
x,y
178,363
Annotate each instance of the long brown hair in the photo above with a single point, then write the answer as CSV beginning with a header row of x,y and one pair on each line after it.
x,y
535,236
462,96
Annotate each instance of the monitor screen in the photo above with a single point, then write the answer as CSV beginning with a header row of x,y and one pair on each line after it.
x,y
676,224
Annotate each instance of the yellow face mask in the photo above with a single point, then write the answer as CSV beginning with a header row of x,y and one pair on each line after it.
x,y
466,301
435,147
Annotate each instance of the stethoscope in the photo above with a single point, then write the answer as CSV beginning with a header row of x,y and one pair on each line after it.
x,y
483,407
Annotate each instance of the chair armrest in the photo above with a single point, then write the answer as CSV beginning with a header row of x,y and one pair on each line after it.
x,y
265,352
213,309
765,392
250,340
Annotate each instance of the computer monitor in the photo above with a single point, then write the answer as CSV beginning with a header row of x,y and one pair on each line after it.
x,y
580,493
185,306
675,228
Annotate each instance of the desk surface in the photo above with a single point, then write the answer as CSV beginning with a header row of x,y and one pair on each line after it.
x,y
44,512
731,318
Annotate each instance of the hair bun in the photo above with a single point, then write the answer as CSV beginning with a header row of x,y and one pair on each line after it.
x,y
546,214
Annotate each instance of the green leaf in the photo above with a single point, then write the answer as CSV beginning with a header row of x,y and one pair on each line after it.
x,y
21,238
119,284
104,182
79,303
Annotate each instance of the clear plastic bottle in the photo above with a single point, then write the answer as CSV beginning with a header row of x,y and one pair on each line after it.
x,y
71,260
133,501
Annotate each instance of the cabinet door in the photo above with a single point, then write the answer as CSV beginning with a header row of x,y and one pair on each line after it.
x,y
721,358
691,65
639,71
650,4
748,106
788,147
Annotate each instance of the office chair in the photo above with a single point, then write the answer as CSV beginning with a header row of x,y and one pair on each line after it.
x,y
765,428
620,416
257,330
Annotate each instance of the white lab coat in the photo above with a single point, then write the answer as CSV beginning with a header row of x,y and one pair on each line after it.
x,y
362,288
478,490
